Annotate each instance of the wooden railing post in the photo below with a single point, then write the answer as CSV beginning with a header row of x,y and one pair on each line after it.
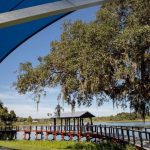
x,y
41,132
133,134
118,136
92,128
101,129
141,139
146,134
109,132
132,127
127,130
113,132
105,130
128,135
122,132
149,136
97,130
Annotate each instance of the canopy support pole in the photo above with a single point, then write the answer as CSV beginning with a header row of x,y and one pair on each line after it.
x,y
44,10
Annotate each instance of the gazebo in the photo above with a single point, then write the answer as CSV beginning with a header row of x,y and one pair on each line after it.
x,y
78,119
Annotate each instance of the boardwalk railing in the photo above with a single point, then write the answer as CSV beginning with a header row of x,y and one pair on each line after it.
x,y
135,135
9,128
8,132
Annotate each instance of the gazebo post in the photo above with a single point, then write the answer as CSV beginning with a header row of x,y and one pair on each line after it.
x,y
61,124
62,129
65,124
54,124
74,123
78,125
54,134
91,124
83,127
91,121
69,124
82,121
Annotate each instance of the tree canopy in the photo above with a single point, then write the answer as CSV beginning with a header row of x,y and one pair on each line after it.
x,y
6,117
29,119
106,59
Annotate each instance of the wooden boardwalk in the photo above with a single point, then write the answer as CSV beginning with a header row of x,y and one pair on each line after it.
x,y
140,137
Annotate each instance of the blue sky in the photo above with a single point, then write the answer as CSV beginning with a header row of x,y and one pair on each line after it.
x,y
39,45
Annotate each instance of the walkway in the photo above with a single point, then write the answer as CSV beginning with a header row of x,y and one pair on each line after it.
x,y
140,137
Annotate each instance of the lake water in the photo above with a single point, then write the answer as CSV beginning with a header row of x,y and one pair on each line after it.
x,y
140,124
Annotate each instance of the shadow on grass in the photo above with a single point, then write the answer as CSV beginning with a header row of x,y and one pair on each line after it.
x,y
4,148
94,146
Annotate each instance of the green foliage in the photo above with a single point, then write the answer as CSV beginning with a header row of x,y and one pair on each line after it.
x,y
130,147
46,145
108,58
6,118
29,119
20,119
120,117
127,116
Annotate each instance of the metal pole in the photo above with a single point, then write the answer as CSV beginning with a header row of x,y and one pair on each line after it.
x,y
44,10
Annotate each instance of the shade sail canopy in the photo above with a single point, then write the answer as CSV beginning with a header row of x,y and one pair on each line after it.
x,y
13,35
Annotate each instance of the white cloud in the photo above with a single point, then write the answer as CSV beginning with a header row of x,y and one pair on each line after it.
x,y
25,106
26,110
30,110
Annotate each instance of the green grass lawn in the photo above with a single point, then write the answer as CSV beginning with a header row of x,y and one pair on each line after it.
x,y
56,145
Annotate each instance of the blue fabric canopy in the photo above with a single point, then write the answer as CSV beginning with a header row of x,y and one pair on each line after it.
x,y
12,37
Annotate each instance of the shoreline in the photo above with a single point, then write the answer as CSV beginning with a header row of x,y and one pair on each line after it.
x,y
123,121
95,121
